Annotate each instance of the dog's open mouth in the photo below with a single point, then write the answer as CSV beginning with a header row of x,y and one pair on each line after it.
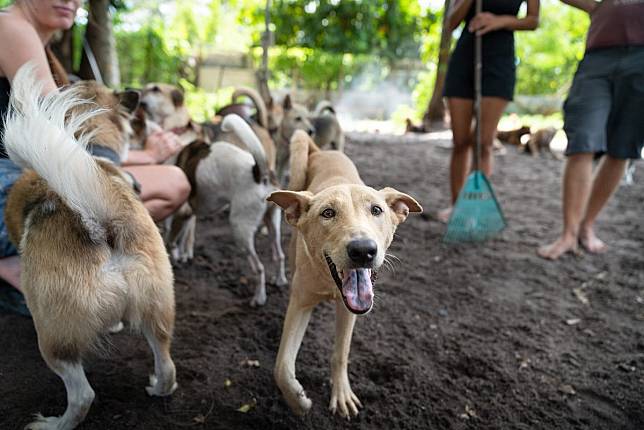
x,y
355,285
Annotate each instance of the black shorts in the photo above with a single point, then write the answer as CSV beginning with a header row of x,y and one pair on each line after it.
x,y
604,111
498,76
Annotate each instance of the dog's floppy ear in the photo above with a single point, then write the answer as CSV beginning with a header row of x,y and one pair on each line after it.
x,y
400,203
294,203
287,104
129,99
177,97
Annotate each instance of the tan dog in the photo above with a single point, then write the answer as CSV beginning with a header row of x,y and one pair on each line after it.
x,y
328,132
165,106
90,254
342,232
294,117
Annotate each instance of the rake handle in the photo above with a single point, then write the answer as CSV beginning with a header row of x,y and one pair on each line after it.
x,y
478,72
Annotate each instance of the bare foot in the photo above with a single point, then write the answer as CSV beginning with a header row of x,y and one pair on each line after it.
x,y
559,247
591,242
444,214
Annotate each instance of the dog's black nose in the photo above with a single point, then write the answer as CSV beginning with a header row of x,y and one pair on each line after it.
x,y
311,131
362,251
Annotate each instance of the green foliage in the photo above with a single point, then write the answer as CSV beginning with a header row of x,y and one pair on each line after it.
x,y
548,57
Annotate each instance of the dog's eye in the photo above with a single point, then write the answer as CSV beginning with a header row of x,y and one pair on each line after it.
x,y
328,213
156,89
376,210
298,119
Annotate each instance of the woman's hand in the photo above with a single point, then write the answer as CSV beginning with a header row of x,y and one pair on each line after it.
x,y
486,22
162,145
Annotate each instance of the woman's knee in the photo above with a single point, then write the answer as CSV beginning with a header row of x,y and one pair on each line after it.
x,y
179,189
462,144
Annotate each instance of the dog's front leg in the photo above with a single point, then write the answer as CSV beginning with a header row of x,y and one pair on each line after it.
x,y
342,396
295,323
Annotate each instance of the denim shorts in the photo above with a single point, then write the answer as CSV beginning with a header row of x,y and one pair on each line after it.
x,y
604,111
9,174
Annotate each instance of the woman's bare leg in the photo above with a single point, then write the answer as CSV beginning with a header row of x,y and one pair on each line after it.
x,y
163,188
491,110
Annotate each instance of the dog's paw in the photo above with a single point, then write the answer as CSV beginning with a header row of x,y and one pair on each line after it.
x,y
156,389
300,404
344,401
258,301
45,423
281,281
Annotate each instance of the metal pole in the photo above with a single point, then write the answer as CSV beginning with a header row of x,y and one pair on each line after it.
x,y
478,69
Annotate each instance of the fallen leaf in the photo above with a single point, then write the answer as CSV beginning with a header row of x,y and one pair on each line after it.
x,y
199,419
601,275
567,389
247,406
251,363
573,321
581,295
626,367
243,280
228,383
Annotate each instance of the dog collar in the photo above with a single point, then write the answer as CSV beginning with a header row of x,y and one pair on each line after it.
x,y
105,152
180,130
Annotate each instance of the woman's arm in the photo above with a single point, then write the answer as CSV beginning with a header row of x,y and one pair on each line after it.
x,y
585,5
158,148
486,22
25,46
457,13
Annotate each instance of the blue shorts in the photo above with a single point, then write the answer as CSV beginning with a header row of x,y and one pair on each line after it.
x,y
604,111
9,174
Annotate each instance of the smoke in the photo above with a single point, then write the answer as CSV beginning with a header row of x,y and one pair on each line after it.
x,y
372,96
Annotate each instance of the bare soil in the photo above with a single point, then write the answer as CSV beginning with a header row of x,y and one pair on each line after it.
x,y
470,336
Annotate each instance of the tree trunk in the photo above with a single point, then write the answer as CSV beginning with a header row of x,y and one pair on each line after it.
x,y
100,38
63,48
435,114
262,74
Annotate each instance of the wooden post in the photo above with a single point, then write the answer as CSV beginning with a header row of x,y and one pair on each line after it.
x,y
435,114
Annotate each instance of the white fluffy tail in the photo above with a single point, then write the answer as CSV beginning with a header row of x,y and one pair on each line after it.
x,y
322,106
39,135
234,123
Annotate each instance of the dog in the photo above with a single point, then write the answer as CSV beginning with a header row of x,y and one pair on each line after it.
x,y
258,122
142,127
342,230
223,174
165,105
328,132
295,117
91,255
513,137
410,127
540,141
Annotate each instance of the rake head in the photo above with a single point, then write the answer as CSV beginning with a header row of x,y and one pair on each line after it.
x,y
477,215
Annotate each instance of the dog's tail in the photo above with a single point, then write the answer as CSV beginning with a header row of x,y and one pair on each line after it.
x,y
262,112
40,135
234,123
300,148
323,105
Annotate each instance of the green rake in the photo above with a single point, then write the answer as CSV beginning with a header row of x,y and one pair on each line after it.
x,y
477,215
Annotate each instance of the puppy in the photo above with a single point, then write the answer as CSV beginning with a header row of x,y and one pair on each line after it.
x,y
142,127
342,230
90,254
328,132
223,174
165,106
295,117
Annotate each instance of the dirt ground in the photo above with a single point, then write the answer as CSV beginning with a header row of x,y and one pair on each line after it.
x,y
462,337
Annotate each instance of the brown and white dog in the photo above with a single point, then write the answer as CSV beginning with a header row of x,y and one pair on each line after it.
x,y
223,174
165,105
342,230
90,254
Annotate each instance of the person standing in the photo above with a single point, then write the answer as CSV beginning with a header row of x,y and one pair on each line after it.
x,y
497,24
602,115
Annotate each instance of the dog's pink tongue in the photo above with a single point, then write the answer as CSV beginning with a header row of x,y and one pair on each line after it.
x,y
357,290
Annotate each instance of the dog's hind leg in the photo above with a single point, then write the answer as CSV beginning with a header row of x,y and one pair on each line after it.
x,y
244,220
273,221
342,397
163,382
79,396
295,323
